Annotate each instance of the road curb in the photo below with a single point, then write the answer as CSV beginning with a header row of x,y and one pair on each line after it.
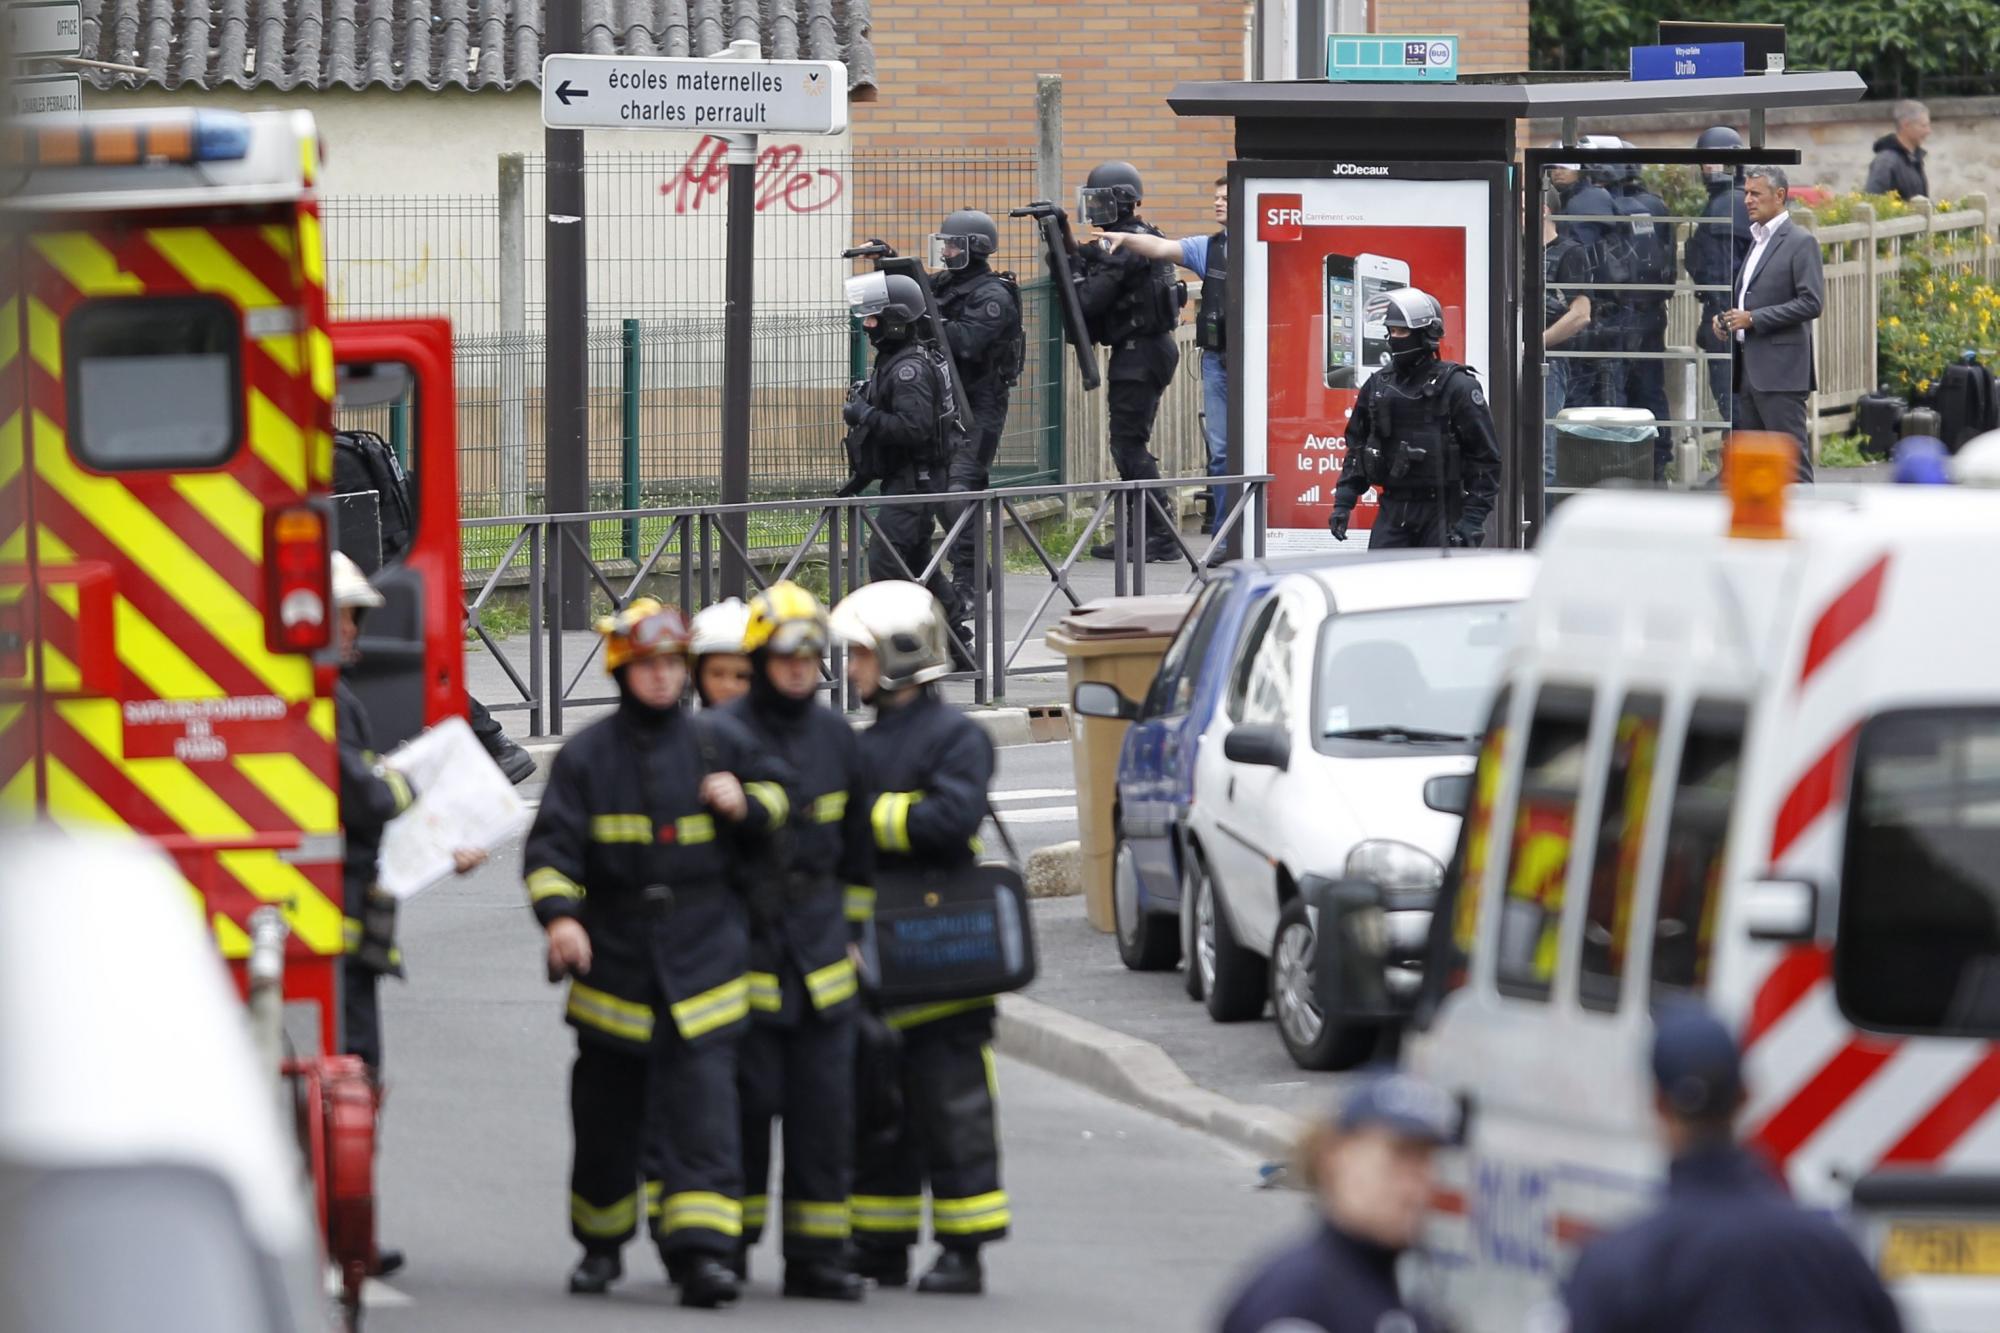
x,y
1138,1073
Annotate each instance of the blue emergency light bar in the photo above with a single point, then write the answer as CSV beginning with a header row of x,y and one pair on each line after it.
x,y
177,137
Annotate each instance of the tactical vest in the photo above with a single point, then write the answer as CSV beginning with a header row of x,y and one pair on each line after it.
x,y
1008,355
1411,446
950,435
1211,319
1146,306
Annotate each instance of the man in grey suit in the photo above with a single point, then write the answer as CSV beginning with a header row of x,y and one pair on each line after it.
x,y
1779,292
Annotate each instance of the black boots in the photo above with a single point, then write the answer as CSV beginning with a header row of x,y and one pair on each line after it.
x,y
882,1265
515,763
956,1273
824,1280
594,1276
708,1283
387,1262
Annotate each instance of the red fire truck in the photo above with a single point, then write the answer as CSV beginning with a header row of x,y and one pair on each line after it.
x,y
168,383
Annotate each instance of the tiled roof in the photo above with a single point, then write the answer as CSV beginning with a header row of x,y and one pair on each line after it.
x,y
316,44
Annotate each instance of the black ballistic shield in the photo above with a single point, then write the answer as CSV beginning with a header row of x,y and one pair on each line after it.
x,y
1058,249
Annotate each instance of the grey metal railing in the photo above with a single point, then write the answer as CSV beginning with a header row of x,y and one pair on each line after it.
x,y
838,532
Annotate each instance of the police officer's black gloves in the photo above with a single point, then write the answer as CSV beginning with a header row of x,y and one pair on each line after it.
x,y
1467,533
1337,525
855,412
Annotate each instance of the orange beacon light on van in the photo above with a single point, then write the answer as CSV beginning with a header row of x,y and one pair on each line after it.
x,y
1756,468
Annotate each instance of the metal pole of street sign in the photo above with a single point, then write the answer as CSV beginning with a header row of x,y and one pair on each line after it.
x,y
739,286
566,300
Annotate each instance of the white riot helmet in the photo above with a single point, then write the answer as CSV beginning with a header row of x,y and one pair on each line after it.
x,y
902,624
719,628
351,587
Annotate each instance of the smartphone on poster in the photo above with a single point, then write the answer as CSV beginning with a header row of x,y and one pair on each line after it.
x,y
1343,321
1374,275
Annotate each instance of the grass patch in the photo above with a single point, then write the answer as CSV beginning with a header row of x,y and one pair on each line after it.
x,y
1842,451
501,619
1057,538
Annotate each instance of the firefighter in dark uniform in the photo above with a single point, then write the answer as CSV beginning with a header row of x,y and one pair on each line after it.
x,y
798,1058
930,768
981,311
1369,1168
899,412
1132,304
371,794
1726,1249
1421,431
629,867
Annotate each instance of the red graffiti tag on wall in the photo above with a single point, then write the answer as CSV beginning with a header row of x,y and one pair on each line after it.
x,y
781,179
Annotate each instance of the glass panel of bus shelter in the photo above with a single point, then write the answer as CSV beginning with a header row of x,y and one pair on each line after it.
x,y
1635,261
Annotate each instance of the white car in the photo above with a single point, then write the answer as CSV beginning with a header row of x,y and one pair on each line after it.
x,y
1350,689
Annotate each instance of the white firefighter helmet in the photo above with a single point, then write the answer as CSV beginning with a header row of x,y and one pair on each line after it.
x,y
719,628
350,586
902,624
1977,462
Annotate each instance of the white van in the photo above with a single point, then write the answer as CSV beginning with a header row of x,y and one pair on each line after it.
x,y
1766,772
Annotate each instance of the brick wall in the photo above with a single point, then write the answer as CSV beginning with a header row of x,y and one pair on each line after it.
x,y
960,75
1492,34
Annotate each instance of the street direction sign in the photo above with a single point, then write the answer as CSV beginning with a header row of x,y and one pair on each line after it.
x,y
44,28
45,96
582,92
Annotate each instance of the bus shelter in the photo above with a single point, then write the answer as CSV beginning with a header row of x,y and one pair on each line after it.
x,y
1339,192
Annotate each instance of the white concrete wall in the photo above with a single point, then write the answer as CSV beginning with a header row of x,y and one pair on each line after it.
x,y
411,178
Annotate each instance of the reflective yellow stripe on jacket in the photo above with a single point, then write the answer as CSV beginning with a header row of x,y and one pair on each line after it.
x,y
621,828
771,796
860,903
832,984
548,882
607,1013
766,996
891,819
830,808
699,1015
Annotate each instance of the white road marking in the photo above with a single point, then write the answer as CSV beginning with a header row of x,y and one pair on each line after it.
x,y
1056,815
1033,793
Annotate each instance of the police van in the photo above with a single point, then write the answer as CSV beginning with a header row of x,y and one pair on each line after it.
x,y
1747,748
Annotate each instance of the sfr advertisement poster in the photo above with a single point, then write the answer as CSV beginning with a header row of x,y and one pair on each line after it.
x,y
1325,251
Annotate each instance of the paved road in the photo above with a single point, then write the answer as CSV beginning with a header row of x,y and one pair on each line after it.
x,y
1124,1221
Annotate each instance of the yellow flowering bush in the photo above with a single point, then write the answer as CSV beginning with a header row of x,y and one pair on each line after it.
x,y
1934,316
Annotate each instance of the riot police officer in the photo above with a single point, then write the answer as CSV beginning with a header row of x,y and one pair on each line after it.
x,y
798,1059
1642,378
1714,256
1132,304
981,312
901,422
1583,202
1422,433
628,867
1727,1249
931,767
